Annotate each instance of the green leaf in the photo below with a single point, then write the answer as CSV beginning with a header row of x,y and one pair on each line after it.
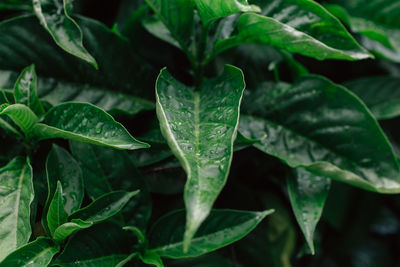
x,y
25,90
36,253
308,29
56,215
220,229
85,123
54,15
16,5
16,189
151,258
21,115
307,194
67,229
200,127
102,245
341,141
104,207
210,10
380,94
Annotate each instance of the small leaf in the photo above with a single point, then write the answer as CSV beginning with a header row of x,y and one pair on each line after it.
x,y
85,123
17,194
200,127
307,194
151,258
104,207
22,116
56,215
55,18
25,90
67,229
221,228
36,253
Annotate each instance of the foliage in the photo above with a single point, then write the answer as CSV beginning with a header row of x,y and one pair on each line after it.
x,y
199,133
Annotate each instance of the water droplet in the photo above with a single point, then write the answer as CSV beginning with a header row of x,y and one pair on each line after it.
x,y
99,127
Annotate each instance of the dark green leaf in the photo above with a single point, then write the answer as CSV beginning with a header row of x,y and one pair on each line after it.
x,y
200,127
16,190
380,94
55,17
85,123
341,141
16,4
21,115
37,253
297,26
308,194
56,215
25,90
104,207
221,228
67,229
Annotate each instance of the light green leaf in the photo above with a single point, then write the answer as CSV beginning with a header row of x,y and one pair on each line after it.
x,y
341,141
220,229
36,253
200,127
54,15
307,194
16,189
21,115
210,10
25,90
380,94
298,26
67,229
151,258
104,207
85,123
56,215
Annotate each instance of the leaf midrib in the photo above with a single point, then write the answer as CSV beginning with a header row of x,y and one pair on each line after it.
x,y
16,207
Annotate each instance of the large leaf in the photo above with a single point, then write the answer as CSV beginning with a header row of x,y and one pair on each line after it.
x,y
220,229
16,4
298,26
21,115
341,140
37,253
200,127
16,189
69,74
55,17
86,123
378,21
67,229
56,215
25,90
308,194
380,94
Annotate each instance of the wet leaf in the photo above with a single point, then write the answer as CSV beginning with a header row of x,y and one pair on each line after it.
x,y
56,215
21,115
69,228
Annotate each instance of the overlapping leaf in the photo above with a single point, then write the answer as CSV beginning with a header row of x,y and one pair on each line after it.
x,y
56,215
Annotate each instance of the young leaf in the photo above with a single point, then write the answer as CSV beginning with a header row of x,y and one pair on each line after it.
x,y
85,123
104,207
341,141
54,15
200,127
25,90
56,215
36,253
317,34
151,258
307,194
210,10
21,115
15,200
67,229
221,228
380,94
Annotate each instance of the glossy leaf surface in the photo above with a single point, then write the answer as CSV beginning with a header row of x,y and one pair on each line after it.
x,y
104,207
220,229
67,229
36,253
21,115
200,127
307,194
25,90
86,123
380,94
297,26
15,200
54,15
56,215
342,141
